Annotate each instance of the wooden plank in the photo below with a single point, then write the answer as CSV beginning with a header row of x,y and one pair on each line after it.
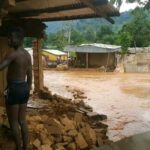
x,y
97,10
41,4
98,2
87,60
4,51
77,12
2,3
49,10
21,0
11,2
69,18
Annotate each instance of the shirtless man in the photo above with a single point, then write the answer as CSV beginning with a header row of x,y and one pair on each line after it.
x,y
19,80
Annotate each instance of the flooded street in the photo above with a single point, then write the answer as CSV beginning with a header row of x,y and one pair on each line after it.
x,y
124,98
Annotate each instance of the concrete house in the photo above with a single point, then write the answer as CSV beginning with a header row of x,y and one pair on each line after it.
x,y
95,55
53,55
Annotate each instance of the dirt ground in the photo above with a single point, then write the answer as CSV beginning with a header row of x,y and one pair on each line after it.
x,y
124,98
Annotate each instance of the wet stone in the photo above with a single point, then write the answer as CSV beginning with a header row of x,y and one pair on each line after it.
x,y
80,141
71,146
46,147
96,117
37,143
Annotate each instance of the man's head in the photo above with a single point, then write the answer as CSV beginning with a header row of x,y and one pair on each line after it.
x,y
16,37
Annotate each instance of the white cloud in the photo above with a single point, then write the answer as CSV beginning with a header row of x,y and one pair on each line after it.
x,y
128,6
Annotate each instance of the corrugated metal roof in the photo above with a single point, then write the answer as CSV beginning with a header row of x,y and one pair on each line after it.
x,y
94,48
55,52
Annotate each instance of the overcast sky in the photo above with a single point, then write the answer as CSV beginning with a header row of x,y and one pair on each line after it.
x,y
128,6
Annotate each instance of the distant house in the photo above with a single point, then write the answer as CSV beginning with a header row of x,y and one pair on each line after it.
x,y
50,56
138,60
95,55
53,55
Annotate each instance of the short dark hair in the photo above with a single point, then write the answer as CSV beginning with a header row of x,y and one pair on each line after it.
x,y
19,31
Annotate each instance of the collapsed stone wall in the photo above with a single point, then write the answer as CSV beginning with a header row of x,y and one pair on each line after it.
x,y
56,123
138,62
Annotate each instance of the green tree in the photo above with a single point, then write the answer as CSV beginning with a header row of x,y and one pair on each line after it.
x,y
28,41
105,35
139,28
125,41
57,39
89,34
76,37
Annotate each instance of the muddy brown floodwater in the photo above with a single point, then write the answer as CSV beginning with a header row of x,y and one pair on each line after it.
x,y
124,98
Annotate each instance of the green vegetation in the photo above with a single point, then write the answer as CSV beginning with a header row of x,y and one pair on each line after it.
x,y
133,33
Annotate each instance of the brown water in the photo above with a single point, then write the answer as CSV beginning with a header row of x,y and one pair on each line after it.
x,y
124,98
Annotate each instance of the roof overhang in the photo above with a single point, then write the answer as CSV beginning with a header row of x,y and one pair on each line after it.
x,y
55,10
50,10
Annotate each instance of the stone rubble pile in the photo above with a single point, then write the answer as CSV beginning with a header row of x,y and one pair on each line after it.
x,y
60,124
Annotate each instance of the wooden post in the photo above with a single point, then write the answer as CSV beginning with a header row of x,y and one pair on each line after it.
x,y
4,51
11,2
107,62
37,66
87,60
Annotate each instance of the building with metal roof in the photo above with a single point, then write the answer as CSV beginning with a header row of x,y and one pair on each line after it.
x,y
95,55
55,52
93,48
53,57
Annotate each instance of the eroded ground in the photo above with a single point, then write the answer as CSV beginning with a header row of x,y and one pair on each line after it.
x,y
124,98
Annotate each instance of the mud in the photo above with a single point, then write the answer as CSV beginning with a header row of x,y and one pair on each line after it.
x,y
124,98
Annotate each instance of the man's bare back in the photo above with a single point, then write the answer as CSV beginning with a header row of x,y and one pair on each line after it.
x,y
17,70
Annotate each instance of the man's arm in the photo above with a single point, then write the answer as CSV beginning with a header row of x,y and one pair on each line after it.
x,y
7,61
29,74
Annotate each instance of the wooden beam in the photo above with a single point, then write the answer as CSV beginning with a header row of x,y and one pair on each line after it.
x,y
110,20
69,18
26,24
2,3
48,10
87,60
37,65
93,3
21,0
98,2
7,3
90,4
11,2
3,12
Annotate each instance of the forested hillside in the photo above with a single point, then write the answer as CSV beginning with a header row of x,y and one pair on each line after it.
x,y
94,23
